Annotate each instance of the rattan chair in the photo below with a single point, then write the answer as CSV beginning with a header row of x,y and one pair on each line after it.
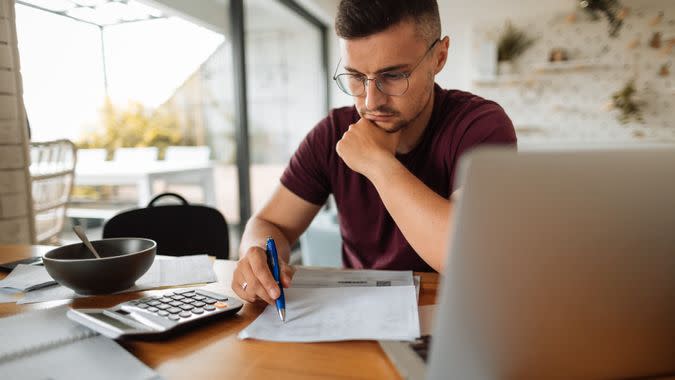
x,y
52,171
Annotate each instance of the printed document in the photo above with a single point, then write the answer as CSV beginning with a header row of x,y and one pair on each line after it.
x,y
332,307
175,271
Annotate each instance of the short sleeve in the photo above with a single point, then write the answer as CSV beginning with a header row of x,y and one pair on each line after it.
x,y
307,172
486,124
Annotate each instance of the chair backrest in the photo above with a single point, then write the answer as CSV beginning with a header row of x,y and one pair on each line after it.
x,y
321,244
140,154
52,167
179,230
190,154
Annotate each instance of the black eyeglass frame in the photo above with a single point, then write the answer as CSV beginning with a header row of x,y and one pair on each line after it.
x,y
377,79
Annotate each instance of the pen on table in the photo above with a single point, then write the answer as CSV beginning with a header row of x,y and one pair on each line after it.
x,y
273,258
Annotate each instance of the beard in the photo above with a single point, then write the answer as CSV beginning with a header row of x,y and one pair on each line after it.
x,y
395,125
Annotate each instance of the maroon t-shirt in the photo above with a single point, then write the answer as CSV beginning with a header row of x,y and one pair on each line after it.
x,y
370,237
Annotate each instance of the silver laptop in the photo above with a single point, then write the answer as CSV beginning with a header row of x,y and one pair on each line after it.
x,y
561,266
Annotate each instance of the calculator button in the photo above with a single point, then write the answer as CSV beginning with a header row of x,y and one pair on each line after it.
x,y
174,317
154,303
162,313
142,305
197,310
209,301
185,314
175,303
177,297
163,306
220,305
165,299
153,309
184,291
209,308
198,298
174,310
198,303
186,307
189,293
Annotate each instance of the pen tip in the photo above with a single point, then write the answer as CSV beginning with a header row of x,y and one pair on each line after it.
x,y
282,315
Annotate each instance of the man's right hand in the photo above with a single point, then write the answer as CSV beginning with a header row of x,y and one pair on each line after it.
x,y
253,280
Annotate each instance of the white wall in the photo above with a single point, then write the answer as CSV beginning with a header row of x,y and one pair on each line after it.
x,y
16,217
459,18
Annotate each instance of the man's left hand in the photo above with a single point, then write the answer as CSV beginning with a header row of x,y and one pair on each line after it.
x,y
365,146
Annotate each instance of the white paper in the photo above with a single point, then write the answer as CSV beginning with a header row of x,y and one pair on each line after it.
x,y
333,278
27,277
45,344
344,313
183,270
96,358
9,295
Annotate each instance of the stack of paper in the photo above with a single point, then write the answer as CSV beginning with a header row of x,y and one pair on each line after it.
x,y
333,305
165,271
26,278
45,344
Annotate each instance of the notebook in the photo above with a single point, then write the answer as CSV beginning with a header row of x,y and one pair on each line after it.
x,y
45,344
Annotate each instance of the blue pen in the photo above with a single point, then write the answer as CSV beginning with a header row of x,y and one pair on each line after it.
x,y
273,258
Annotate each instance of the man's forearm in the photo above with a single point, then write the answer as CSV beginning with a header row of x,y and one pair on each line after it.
x,y
422,215
255,234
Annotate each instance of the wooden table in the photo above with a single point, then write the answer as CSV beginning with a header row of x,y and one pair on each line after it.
x,y
213,350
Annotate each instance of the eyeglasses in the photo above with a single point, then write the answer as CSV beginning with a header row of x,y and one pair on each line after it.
x,y
389,83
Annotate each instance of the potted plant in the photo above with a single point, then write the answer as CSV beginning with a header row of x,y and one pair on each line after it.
x,y
627,103
513,42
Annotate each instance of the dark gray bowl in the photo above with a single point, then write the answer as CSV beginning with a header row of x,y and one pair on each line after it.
x,y
122,262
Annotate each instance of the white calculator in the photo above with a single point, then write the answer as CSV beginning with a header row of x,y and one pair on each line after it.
x,y
157,315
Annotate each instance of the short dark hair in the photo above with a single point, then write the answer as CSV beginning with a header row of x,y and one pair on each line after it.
x,y
361,18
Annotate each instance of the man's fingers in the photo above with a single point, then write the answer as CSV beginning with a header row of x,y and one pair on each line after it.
x,y
264,275
237,282
287,273
253,286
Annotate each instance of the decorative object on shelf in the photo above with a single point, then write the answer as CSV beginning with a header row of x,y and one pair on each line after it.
x,y
634,43
623,13
655,41
486,65
612,10
656,20
668,46
571,18
557,55
512,43
664,71
626,101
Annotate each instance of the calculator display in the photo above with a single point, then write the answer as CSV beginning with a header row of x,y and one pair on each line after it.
x,y
111,321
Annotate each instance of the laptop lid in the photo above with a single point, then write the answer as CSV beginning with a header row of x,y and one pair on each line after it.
x,y
561,265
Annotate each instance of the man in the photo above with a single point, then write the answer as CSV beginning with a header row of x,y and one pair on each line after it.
x,y
389,160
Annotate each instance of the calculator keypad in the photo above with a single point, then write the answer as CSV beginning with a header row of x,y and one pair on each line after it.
x,y
182,304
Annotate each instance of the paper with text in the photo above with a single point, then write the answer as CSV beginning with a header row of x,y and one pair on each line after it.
x,y
342,313
183,270
27,277
334,278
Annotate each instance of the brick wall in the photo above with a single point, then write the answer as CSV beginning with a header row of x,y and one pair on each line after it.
x,y
16,217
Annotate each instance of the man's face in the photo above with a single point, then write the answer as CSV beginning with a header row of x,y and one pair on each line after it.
x,y
395,50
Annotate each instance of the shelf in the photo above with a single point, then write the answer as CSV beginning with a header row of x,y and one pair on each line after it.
x,y
505,80
534,73
573,65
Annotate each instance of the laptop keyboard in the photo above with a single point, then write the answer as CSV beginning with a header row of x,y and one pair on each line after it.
x,y
421,346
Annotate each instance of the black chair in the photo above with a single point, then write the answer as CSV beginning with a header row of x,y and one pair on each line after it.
x,y
179,230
